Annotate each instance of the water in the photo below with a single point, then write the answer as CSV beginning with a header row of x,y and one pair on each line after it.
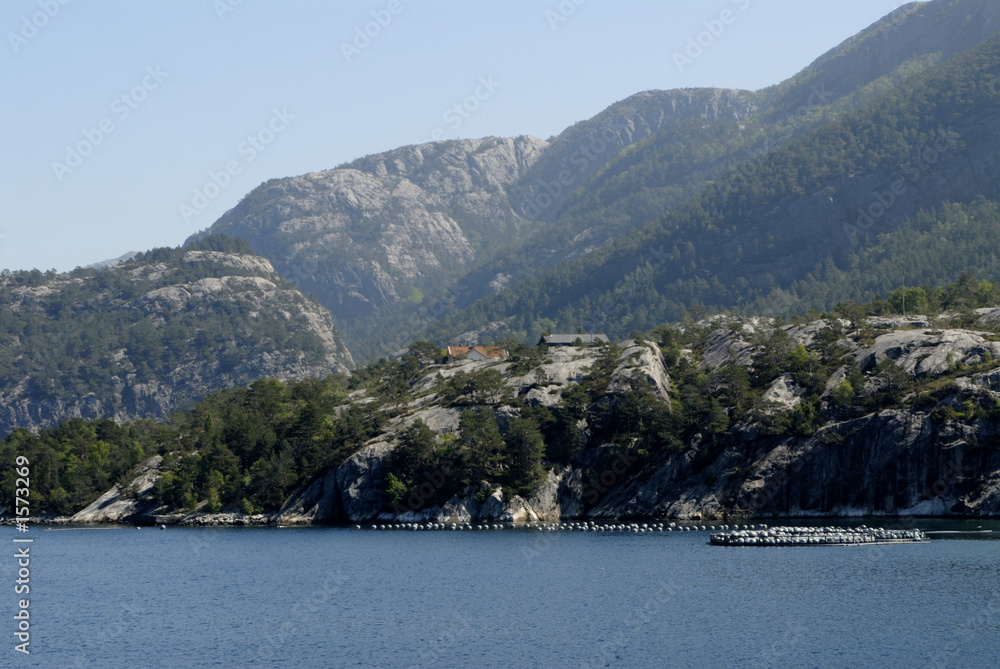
x,y
323,597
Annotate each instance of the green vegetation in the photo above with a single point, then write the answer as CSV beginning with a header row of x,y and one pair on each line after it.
x,y
251,448
696,255
69,336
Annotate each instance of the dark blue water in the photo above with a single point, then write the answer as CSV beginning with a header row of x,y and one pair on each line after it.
x,y
347,598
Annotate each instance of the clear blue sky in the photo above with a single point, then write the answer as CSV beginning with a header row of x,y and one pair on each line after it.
x,y
160,94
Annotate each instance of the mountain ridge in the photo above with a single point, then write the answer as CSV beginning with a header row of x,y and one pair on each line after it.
x,y
763,227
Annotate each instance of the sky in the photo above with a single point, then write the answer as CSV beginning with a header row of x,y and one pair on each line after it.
x,y
130,125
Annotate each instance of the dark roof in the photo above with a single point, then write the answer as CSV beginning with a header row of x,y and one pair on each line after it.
x,y
568,339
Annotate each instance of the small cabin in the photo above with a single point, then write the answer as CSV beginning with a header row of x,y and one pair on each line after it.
x,y
570,339
476,353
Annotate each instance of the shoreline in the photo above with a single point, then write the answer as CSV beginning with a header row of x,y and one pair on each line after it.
x,y
272,521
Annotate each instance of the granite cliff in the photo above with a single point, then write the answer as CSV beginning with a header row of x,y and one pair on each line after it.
x,y
806,447
378,233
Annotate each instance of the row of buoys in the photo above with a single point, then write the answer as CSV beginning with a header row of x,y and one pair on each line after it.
x,y
815,536
572,526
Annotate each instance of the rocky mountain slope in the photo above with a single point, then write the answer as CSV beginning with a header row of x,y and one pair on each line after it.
x,y
738,418
389,242
901,460
376,234
152,334
582,150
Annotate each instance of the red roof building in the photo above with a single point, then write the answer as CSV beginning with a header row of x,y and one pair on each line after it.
x,y
476,353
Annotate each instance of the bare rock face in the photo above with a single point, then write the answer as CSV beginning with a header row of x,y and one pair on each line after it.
x,y
360,482
560,496
886,464
494,331
546,502
783,393
987,382
730,344
493,508
642,361
929,352
319,502
565,365
363,235
120,504
459,510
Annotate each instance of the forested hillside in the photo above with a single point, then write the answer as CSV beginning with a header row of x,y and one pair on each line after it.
x,y
153,334
803,225
683,422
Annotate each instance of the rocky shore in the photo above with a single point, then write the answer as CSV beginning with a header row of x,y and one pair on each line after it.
x,y
932,458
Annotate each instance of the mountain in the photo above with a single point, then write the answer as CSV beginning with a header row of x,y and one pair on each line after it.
x,y
797,226
446,238
382,242
104,264
377,234
148,335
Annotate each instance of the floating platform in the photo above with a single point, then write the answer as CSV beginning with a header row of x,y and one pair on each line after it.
x,y
817,536
566,526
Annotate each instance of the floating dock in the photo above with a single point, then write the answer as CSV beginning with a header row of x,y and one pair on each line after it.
x,y
817,536
568,526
